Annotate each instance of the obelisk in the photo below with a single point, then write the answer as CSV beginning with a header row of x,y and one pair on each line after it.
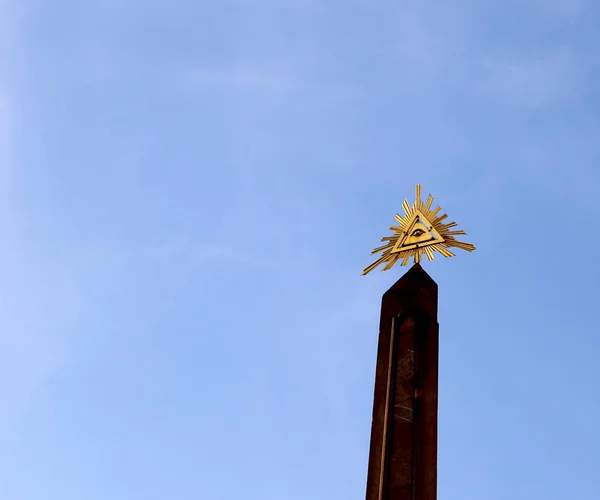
x,y
403,453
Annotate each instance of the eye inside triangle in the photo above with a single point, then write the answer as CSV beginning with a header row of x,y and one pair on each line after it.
x,y
419,233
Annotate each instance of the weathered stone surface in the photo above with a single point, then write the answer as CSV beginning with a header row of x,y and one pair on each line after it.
x,y
403,454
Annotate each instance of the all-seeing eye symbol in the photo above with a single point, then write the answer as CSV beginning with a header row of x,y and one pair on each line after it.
x,y
419,232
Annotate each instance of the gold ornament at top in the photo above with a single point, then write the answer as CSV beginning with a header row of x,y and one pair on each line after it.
x,y
420,231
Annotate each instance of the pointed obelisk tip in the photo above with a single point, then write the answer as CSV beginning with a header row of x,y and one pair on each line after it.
x,y
416,278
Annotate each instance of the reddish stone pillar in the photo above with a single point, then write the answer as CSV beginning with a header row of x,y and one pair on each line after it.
x,y
403,454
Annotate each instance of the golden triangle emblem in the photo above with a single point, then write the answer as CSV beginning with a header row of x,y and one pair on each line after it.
x,y
419,231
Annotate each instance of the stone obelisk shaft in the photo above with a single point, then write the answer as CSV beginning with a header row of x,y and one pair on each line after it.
x,y
403,454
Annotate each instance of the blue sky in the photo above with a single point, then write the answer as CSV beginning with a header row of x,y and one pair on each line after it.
x,y
190,191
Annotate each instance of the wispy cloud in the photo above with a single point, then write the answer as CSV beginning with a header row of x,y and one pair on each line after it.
x,y
29,353
261,80
200,254
557,9
533,81
7,49
242,78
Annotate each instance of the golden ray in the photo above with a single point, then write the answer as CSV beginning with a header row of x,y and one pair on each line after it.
x,y
429,253
419,231
392,261
444,252
428,204
381,248
406,208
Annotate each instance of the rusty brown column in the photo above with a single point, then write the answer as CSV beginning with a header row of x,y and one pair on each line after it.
x,y
403,454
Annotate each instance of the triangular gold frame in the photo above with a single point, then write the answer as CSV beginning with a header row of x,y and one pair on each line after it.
x,y
418,216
